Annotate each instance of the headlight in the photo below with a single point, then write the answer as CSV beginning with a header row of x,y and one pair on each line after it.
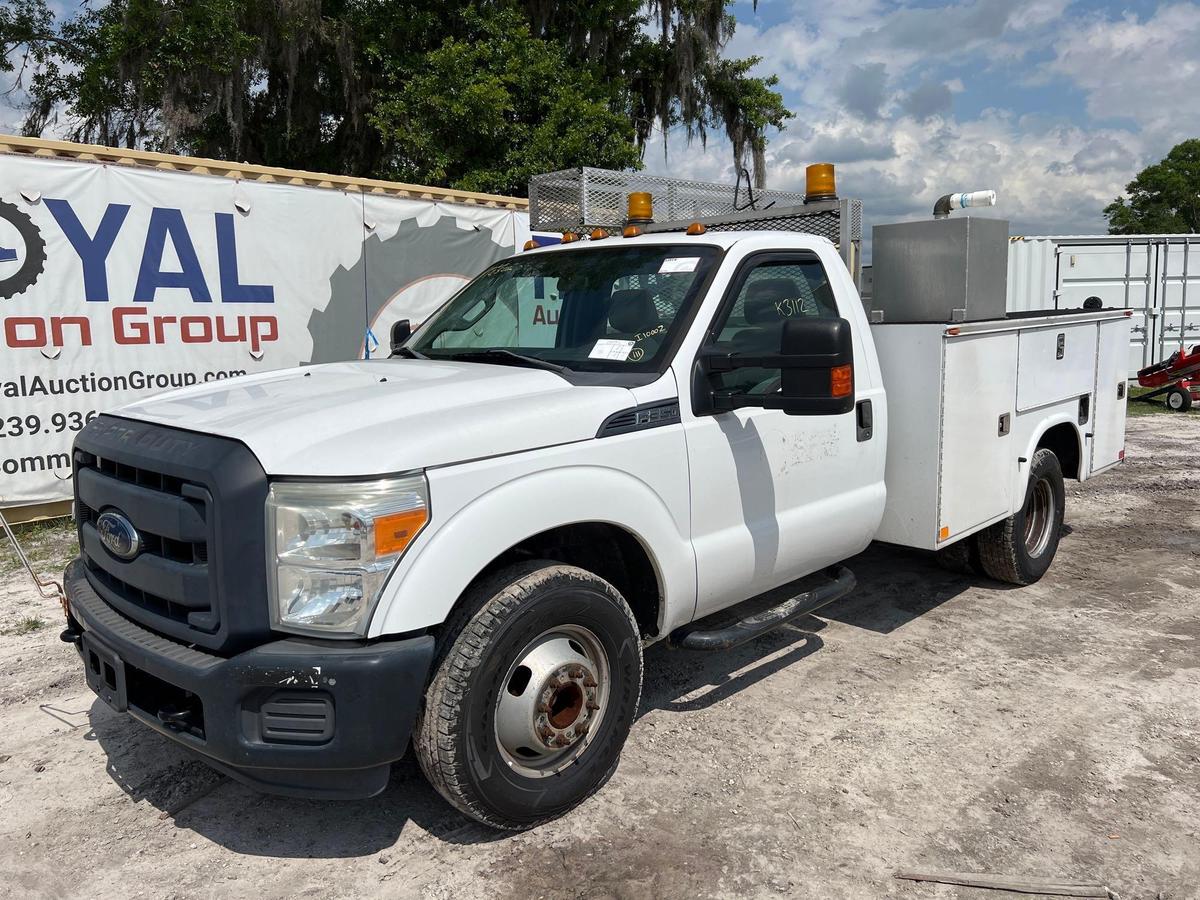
x,y
332,547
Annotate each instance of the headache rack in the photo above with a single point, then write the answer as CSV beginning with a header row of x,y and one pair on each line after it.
x,y
586,198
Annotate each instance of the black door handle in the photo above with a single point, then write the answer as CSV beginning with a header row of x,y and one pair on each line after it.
x,y
865,420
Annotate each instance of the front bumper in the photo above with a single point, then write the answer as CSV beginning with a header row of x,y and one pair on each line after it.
x,y
299,717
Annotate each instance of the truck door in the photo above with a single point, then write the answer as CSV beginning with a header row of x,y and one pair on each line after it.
x,y
775,497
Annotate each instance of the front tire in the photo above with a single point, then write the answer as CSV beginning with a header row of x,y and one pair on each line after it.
x,y
533,695
1020,549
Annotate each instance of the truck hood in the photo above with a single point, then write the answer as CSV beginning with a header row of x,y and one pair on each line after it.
x,y
381,416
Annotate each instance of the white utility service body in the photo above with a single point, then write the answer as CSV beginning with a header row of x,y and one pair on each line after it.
x,y
704,510
976,398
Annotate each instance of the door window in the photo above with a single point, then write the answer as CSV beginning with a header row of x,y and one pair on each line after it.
x,y
772,292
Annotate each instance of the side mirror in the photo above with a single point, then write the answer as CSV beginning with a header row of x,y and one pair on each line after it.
x,y
401,332
816,365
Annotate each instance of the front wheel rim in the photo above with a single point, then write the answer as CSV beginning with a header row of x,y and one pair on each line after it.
x,y
552,701
1175,401
1039,518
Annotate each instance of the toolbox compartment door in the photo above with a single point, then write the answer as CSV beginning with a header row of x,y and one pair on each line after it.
x,y
975,484
1055,363
1108,425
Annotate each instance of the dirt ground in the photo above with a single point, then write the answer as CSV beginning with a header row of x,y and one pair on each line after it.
x,y
926,722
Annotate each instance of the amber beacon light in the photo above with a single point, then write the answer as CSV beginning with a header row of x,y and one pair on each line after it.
x,y
819,183
640,208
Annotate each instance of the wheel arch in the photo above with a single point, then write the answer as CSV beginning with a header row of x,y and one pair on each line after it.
x,y
1065,441
597,518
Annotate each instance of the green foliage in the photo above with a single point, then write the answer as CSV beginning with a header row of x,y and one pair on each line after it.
x,y
1164,198
488,110
477,96
26,625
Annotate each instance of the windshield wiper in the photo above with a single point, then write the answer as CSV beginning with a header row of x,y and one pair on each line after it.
x,y
501,356
408,353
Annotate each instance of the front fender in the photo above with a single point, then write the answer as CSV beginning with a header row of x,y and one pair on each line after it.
x,y
423,589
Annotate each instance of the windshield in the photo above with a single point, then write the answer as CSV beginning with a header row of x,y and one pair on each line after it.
x,y
598,309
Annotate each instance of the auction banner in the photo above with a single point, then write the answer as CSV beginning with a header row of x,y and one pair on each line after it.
x,y
117,282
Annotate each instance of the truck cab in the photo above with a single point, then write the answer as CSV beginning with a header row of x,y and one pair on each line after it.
x,y
590,448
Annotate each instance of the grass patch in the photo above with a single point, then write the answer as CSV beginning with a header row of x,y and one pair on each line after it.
x,y
48,544
27,625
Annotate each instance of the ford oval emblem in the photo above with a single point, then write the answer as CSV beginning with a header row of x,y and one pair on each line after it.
x,y
118,535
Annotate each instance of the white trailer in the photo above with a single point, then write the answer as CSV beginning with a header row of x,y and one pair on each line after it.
x,y
1156,277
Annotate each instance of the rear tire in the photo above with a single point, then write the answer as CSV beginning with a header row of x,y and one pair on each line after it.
x,y
1020,549
533,695
1179,399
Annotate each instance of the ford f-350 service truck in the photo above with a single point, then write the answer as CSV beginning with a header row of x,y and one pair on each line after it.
x,y
467,546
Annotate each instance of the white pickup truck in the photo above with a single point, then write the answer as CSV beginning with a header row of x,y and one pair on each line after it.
x,y
467,547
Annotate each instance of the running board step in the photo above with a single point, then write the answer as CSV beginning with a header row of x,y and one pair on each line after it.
x,y
842,582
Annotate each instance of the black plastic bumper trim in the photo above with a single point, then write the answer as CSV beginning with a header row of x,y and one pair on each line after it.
x,y
374,688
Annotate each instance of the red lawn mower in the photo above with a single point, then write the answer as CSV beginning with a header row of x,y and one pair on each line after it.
x,y
1177,376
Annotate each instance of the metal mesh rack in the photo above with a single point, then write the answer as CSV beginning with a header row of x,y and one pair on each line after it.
x,y
590,198
586,198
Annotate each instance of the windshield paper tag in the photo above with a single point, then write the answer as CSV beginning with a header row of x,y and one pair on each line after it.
x,y
678,264
606,348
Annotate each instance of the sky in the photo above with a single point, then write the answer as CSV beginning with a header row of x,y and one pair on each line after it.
x,y
1055,105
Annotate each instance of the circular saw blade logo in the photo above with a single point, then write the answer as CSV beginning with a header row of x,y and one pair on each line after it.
x,y
22,251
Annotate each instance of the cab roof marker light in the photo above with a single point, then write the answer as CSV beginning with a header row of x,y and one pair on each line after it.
x,y
530,244
598,234
696,228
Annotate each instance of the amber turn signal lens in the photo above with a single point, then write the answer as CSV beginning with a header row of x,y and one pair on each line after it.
x,y
696,228
841,381
631,231
599,234
394,532
530,244
943,532
569,237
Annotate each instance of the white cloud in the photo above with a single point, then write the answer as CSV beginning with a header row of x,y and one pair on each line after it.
x,y
1144,70
871,88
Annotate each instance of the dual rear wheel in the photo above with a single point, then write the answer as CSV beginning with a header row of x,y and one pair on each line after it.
x,y
1020,549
